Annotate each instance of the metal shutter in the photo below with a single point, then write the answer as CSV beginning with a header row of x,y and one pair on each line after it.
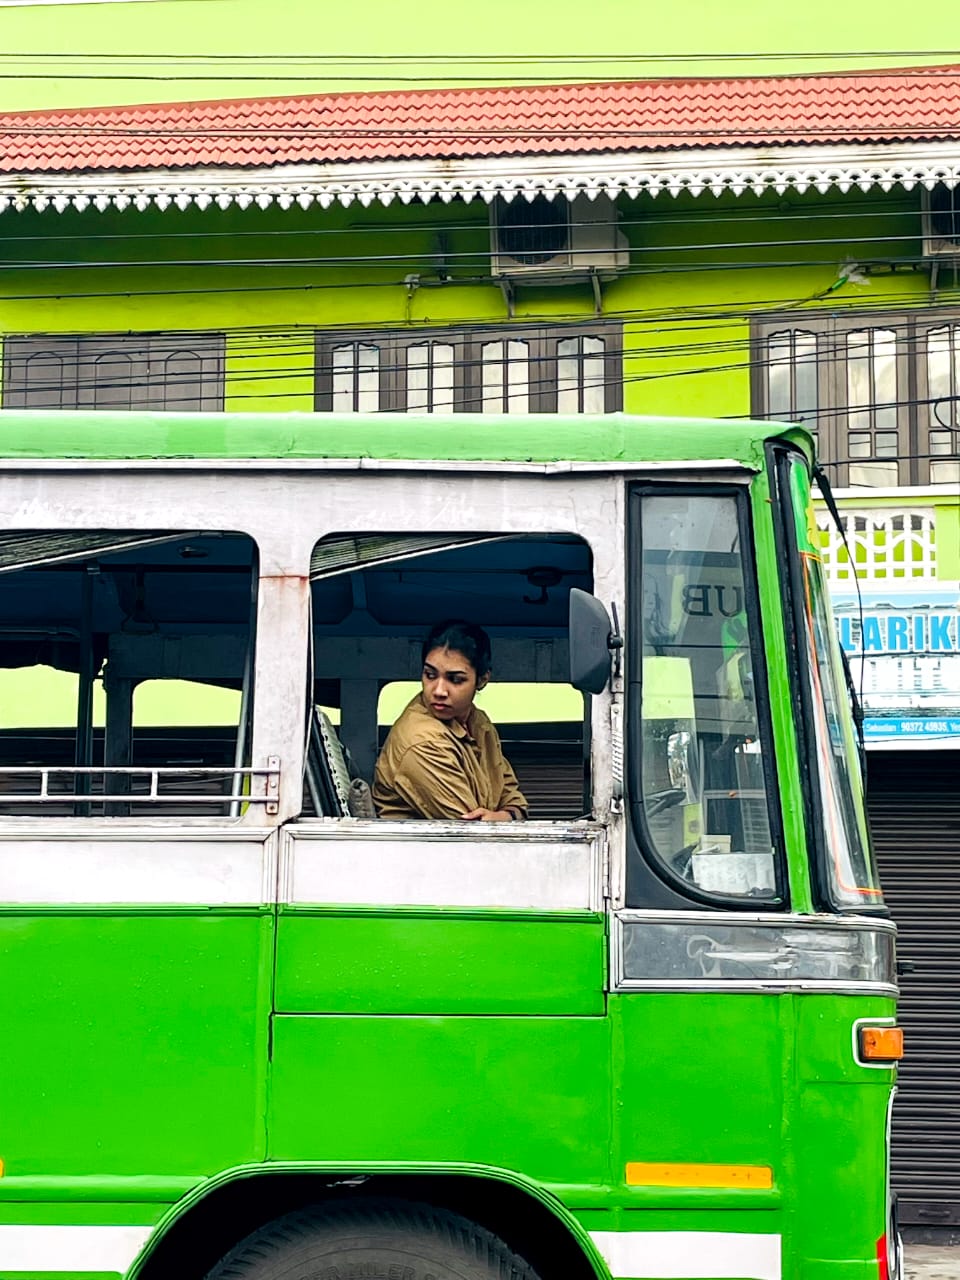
x,y
548,762
914,804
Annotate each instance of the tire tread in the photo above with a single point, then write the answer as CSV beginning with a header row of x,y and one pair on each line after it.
x,y
248,1259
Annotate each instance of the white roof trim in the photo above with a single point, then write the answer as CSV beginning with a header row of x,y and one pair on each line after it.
x,y
714,169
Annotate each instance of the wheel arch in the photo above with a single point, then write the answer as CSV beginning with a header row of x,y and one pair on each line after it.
x,y
211,1219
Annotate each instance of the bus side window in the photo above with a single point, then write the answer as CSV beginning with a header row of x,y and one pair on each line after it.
x,y
375,598
541,727
126,663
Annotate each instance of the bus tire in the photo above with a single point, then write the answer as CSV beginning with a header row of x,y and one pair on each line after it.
x,y
395,1240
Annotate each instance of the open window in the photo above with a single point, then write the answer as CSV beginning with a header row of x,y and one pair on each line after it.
x,y
126,663
376,596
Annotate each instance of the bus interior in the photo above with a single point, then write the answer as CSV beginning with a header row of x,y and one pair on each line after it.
x,y
126,664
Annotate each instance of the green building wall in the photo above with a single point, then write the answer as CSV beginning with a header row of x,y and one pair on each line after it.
x,y
700,270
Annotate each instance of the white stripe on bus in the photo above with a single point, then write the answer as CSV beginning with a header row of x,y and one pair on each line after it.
x,y
526,866
70,1249
689,1255
150,868
630,1255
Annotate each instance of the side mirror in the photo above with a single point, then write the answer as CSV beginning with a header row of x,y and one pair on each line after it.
x,y
682,767
591,641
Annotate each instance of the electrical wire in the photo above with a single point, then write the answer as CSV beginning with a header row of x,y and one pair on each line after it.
x,y
698,135
470,256
386,68
855,212
473,59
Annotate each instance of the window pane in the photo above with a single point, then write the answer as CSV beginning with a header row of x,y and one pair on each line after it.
x,y
182,380
885,385
858,377
505,377
792,375
874,475
806,375
355,378
581,371
780,360
702,785
491,356
38,377
941,442
945,472
872,383
941,364
112,381
518,377
430,378
943,383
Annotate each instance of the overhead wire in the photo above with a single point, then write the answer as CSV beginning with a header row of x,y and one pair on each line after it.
x,y
854,211
423,67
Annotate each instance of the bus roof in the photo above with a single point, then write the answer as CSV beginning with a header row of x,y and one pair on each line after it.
x,y
97,434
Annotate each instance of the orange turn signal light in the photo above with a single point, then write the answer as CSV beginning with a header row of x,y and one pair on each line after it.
x,y
731,1177
881,1044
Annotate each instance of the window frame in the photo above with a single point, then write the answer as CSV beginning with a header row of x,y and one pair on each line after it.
x,y
76,549
642,846
833,412
467,342
781,458
81,352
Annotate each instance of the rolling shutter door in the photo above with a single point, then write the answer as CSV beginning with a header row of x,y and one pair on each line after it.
x,y
914,804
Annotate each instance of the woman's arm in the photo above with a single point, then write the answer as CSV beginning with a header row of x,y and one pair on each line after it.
x,y
431,780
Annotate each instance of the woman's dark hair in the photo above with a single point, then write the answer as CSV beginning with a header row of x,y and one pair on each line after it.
x,y
465,637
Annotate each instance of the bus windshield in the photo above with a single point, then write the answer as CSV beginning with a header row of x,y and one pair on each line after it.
x,y
842,840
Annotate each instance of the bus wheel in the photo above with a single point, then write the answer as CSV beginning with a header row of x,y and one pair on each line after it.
x,y
373,1238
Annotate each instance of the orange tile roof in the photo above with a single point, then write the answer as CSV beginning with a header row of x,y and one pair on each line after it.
x,y
660,115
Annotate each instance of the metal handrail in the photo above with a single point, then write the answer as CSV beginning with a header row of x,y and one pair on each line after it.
x,y
156,773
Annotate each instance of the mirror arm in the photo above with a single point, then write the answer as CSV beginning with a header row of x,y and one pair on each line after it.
x,y
615,641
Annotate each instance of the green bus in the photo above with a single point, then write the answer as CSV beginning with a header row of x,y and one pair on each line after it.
x,y
250,1032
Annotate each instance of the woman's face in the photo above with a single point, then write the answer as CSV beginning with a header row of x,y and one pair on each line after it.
x,y
449,684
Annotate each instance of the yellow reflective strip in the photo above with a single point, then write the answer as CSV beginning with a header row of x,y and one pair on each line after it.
x,y
758,1177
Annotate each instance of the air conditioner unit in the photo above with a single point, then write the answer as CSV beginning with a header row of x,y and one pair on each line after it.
x,y
941,222
556,240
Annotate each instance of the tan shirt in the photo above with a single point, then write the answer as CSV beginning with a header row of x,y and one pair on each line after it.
x,y
431,768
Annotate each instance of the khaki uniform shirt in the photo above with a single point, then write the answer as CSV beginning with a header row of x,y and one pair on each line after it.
x,y
431,768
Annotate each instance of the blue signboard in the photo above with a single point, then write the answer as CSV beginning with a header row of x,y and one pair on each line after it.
x,y
904,649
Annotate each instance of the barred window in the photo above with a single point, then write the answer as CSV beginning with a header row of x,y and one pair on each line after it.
x,y
878,390
160,371
517,371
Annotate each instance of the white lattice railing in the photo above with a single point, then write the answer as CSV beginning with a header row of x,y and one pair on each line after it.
x,y
885,545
